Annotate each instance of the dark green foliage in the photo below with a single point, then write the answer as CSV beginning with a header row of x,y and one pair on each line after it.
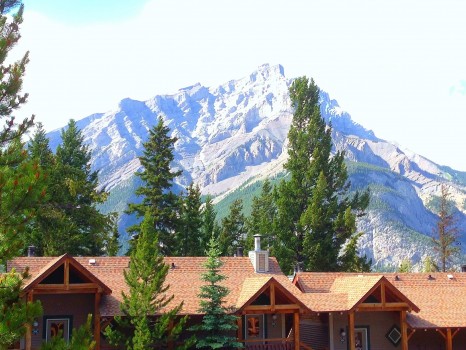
x,y
315,215
112,245
446,239
158,178
261,219
188,236
217,324
20,179
69,221
143,325
232,229
81,339
209,226
14,311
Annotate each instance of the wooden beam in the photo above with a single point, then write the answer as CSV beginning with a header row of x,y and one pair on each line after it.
x,y
399,305
382,292
239,332
66,278
441,333
28,337
64,291
449,340
454,333
296,330
272,296
170,329
269,307
411,333
351,335
97,320
404,330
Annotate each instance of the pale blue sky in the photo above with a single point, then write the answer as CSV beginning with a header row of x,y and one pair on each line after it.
x,y
398,67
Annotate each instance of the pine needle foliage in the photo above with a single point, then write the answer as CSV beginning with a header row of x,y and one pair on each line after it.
x,y
218,325
14,311
144,325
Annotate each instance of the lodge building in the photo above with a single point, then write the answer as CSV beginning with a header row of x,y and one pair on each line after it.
x,y
318,311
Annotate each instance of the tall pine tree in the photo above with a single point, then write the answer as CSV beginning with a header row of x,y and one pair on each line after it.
x,y
446,238
156,192
209,224
315,214
188,235
69,221
143,326
21,181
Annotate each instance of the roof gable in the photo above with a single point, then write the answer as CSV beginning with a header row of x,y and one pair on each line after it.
x,y
73,273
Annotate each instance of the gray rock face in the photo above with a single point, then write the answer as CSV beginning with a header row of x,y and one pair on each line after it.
x,y
237,132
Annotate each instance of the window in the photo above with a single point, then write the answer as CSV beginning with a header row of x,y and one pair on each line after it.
x,y
57,326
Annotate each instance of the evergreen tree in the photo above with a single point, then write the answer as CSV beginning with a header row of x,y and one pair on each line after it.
x,y
21,182
429,265
209,224
217,324
232,229
446,242
156,193
20,179
70,221
405,266
188,234
315,214
14,311
113,246
140,328
262,215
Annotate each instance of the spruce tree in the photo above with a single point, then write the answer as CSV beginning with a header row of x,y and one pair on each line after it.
x,y
142,326
188,236
156,191
218,323
71,222
315,213
233,229
209,224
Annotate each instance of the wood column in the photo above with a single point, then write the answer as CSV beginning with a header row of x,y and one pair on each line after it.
x,y
351,333
97,298
28,337
449,339
404,330
171,344
296,329
239,332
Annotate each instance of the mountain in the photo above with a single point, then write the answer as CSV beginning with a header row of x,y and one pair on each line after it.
x,y
233,135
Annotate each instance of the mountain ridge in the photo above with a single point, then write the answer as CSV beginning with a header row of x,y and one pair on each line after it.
x,y
235,133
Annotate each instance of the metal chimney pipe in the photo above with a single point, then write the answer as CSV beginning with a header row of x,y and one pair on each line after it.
x,y
463,268
31,251
257,243
239,251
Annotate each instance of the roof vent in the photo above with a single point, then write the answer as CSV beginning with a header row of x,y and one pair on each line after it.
x,y
397,278
430,277
450,277
91,261
173,265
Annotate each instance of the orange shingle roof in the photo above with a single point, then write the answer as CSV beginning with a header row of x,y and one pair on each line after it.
x,y
441,300
184,278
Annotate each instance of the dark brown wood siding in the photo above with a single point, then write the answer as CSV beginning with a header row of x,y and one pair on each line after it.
x,y
76,305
